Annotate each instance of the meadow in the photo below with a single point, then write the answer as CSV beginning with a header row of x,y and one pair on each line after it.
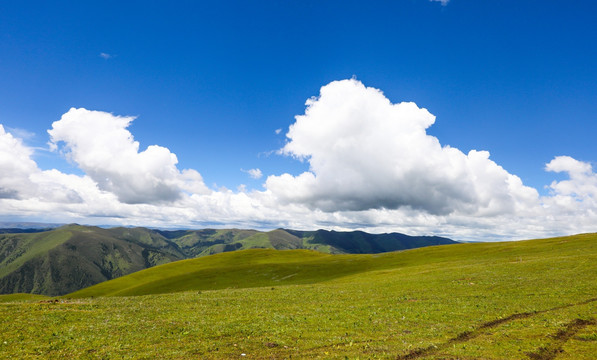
x,y
515,300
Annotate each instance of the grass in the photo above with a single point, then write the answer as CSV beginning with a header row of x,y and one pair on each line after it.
x,y
32,245
22,297
518,300
249,268
260,240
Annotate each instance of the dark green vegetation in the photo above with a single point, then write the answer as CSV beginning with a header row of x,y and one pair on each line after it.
x,y
73,257
196,243
517,300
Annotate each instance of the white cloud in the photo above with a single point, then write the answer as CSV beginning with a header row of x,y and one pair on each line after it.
x,y
254,173
21,179
99,143
15,166
582,183
105,56
373,167
443,2
278,131
366,153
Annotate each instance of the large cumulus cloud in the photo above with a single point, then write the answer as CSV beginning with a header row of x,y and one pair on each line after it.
x,y
99,143
367,153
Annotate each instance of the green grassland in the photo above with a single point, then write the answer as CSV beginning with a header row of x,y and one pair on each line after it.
x,y
72,257
22,297
517,300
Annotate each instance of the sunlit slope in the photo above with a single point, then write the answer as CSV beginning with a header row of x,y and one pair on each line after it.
x,y
239,269
207,241
72,257
266,267
22,297
17,249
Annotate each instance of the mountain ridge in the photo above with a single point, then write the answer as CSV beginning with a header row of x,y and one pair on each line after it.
x,y
71,257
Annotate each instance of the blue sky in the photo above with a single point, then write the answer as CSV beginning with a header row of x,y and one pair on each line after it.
x,y
213,81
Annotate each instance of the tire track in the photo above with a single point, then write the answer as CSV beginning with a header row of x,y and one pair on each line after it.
x,y
561,337
469,335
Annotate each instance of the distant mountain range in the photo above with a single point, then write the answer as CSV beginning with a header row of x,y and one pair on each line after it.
x,y
29,224
71,257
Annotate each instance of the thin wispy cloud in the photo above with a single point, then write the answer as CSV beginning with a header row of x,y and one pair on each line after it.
x,y
21,133
106,56
443,2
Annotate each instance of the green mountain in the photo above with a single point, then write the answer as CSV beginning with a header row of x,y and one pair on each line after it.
x,y
72,257
204,242
197,243
359,242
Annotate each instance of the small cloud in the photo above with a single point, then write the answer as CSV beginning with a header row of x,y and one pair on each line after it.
x,y
278,131
444,2
267,153
253,173
106,56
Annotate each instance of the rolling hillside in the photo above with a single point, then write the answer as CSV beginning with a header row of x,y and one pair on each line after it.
x,y
267,267
531,300
62,260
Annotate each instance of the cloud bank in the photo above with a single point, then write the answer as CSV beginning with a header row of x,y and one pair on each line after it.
x,y
372,166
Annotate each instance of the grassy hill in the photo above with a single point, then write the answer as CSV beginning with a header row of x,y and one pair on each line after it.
x,y
267,267
197,243
246,268
72,257
516,300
